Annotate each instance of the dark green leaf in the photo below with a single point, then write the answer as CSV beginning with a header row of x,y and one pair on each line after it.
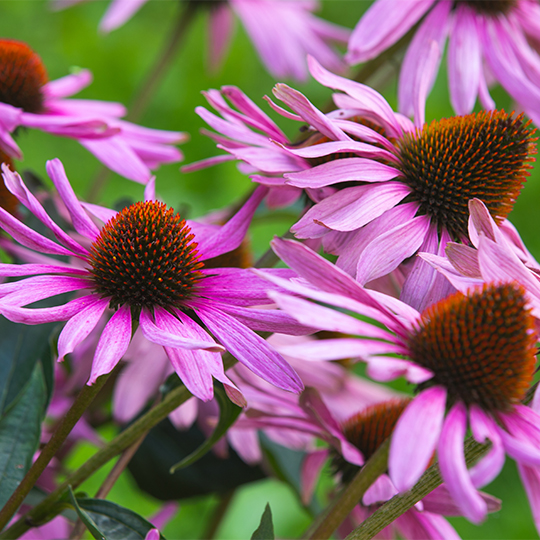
x,y
228,413
112,521
21,346
165,445
20,428
265,530
90,524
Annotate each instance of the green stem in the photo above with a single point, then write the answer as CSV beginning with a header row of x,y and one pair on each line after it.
x,y
219,513
164,60
48,508
332,517
399,504
84,399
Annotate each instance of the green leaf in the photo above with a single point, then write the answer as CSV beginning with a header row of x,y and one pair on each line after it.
x,y
86,518
165,445
228,413
20,428
265,530
109,521
21,346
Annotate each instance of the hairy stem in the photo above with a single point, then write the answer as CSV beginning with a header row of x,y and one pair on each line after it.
x,y
332,517
399,504
48,508
84,399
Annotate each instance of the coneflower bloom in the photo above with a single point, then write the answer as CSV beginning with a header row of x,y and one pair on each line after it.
x,y
473,358
28,99
146,264
282,31
487,40
383,188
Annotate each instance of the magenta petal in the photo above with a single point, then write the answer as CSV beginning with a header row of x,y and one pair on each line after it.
x,y
168,339
230,236
82,223
439,501
415,437
530,477
112,344
483,429
250,349
80,325
453,467
311,468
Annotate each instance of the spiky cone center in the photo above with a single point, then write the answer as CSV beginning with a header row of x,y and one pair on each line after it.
x,y
367,430
485,155
480,347
491,7
145,257
22,76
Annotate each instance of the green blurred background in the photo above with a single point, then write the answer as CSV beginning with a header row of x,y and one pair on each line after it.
x,y
120,62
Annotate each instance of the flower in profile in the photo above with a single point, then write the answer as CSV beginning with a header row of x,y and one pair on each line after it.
x,y
472,357
146,264
28,99
282,31
487,40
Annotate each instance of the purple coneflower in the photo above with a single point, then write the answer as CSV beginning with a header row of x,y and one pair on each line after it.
x,y
487,40
473,358
282,31
146,264
28,99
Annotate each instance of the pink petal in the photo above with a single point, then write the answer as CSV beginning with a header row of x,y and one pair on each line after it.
x,y
381,490
158,335
311,468
112,344
453,467
249,348
79,326
118,13
383,24
342,170
464,61
415,437
530,478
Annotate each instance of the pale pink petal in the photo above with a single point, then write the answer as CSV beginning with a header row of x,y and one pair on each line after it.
x,y
415,437
439,501
421,62
453,467
118,13
384,23
366,96
112,344
464,60
530,478
301,105
220,28
342,170
377,260
246,444
68,85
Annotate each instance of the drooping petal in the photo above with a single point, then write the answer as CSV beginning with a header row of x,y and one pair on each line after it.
x,y
249,348
79,326
453,467
415,437
112,344
381,490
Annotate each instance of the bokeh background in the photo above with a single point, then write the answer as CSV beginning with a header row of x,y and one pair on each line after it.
x,y
120,62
